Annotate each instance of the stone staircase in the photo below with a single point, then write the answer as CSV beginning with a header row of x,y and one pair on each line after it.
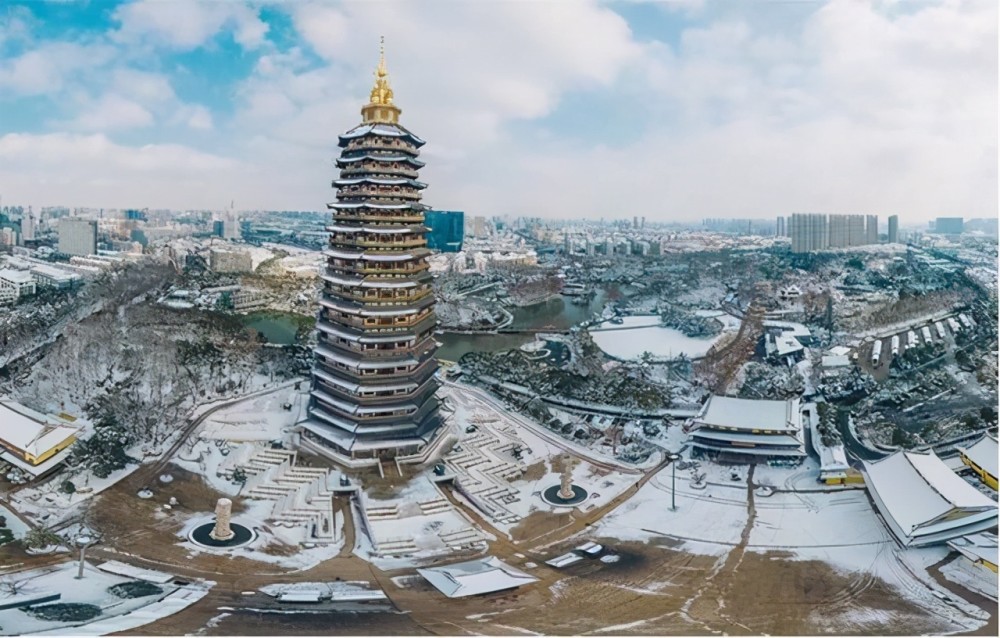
x,y
301,495
483,472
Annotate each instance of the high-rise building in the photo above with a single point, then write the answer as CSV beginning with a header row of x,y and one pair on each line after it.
x,y
809,232
949,225
77,236
871,229
446,230
839,231
855,230
373,381
28,226
780,227
893,229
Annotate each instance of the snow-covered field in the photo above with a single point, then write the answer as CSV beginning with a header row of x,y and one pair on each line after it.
x,y
709,521
259,419
118,614
638,334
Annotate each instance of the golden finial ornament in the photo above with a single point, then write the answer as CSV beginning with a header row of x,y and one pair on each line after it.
x,y
380,108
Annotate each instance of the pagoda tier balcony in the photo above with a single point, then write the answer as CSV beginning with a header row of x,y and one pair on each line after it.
x,y
386,170
378,194
374,143
381,217
370,393
361,418
376,350
414,267
348,159
350,327
359,240
375,295
377,324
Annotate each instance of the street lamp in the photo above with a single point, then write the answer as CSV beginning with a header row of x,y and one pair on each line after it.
x,y
674,457
83,541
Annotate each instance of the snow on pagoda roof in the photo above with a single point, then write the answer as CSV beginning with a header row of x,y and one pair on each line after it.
x,y
751,414
983,453
376,206
386,130
920,496
385,230
402,157
382,181
474,577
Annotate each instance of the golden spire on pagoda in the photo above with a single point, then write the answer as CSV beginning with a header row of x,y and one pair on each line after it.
x,y
380,108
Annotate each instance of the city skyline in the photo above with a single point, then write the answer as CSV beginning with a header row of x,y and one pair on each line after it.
x,y
839,107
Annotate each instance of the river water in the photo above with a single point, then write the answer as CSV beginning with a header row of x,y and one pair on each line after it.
x,y
277,327
555,314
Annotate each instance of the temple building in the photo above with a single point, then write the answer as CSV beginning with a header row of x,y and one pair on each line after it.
x,y
373,380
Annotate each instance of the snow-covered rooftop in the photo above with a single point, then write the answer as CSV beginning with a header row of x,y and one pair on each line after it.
x,y
33,433
475,577
751,414
16,276
836,361
984,454
977,547
923,501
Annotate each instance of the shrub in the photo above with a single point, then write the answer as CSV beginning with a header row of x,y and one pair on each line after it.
x,y
6,536
67,487
135,589
64,612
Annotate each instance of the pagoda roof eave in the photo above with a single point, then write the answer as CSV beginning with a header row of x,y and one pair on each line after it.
x,y
379,129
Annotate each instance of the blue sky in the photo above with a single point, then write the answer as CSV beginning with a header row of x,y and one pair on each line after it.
x,y
563,108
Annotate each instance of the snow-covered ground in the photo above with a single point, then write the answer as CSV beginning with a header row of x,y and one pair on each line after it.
x,y
640,333
259,419
486,454
17,527
977,578
306,555
839,528
708,521
118,614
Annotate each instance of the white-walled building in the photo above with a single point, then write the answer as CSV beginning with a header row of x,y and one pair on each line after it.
x,y
18,283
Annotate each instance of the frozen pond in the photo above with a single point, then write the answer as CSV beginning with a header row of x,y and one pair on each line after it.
x,y
638,334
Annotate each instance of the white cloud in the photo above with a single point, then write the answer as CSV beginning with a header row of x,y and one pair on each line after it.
x,y
112,112
61,168
187,24
47,67
863,109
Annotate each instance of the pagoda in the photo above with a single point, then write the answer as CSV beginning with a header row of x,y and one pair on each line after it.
x,y
373,379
